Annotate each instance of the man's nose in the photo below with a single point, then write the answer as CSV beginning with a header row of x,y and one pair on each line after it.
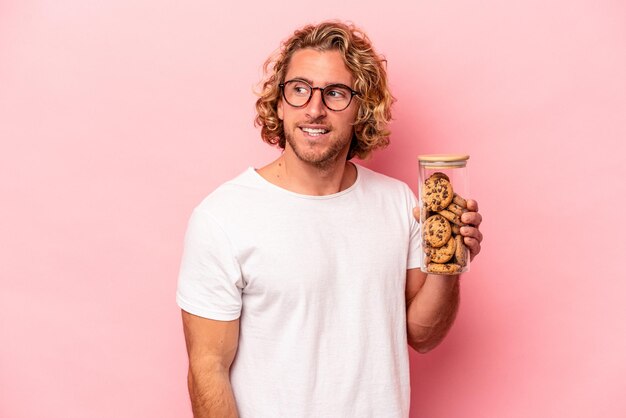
x,y
316,106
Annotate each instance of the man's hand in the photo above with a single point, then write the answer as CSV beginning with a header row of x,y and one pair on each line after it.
x,y
472,237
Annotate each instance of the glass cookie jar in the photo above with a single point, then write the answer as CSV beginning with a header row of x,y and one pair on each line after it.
x,y
443,188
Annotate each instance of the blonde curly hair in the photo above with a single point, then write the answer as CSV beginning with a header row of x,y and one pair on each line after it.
x,y
367,67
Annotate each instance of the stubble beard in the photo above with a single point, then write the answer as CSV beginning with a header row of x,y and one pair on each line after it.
x,y
323,160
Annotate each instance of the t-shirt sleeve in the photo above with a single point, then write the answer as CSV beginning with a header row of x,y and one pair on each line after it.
x,y
210,280
414,258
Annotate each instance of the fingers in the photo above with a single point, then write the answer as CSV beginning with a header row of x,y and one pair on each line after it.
x,y
472,205
472,217
416,213
473,245
473,233
472,238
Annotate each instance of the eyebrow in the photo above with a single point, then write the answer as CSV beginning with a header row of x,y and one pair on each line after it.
x,y
311,81
303,79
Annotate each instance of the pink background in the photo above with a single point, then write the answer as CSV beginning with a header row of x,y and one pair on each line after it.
x,y
118,117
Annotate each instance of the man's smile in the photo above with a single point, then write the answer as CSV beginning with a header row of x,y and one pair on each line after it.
x,y
314,131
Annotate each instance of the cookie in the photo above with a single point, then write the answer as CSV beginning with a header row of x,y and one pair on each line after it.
x,y
457,209
459,201
445,253
449,268
451,216
440,175
460,251
437,231
438,193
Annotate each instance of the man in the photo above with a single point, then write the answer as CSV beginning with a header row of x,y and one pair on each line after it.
x,y
300,283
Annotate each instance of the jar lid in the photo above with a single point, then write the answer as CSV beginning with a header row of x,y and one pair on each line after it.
x,y
443,160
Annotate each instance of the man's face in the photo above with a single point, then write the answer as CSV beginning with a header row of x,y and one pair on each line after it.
x,y
302,125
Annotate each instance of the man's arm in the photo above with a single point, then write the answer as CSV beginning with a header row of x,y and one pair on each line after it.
x,y
432,303
211,347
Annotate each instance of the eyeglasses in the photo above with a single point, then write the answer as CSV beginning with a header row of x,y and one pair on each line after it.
x,y
336,97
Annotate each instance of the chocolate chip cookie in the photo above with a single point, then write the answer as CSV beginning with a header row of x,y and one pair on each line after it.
x,y
460,251
445,253
451,216
437,231
448,268
458,200
438,193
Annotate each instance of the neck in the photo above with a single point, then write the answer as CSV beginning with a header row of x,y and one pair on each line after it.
x,y
301,177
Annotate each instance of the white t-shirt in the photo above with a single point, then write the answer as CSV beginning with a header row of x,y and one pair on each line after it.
x,y
318,282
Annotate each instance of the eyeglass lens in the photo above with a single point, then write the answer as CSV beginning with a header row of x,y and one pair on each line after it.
x,y
335,96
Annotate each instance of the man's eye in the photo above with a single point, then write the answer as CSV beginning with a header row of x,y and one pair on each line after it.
x,y
337,93
299,89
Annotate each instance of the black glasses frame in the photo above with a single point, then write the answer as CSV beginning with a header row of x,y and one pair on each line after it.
x,y
321,89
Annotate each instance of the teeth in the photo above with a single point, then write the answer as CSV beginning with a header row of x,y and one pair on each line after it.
x,y
312,131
